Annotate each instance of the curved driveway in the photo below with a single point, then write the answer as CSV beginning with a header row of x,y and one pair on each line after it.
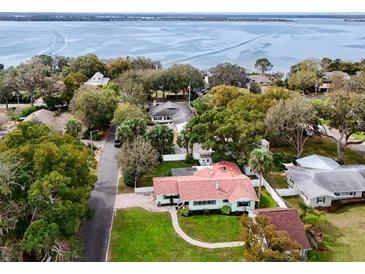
x,y
95,233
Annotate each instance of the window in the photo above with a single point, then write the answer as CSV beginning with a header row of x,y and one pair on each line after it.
x,y
211,202
321,200
246,203
225,201
351,193
171,197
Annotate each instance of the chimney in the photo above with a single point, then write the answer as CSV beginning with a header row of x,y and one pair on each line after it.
x,y
217,185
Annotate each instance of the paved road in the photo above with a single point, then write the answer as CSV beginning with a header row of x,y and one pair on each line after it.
x,y
95,233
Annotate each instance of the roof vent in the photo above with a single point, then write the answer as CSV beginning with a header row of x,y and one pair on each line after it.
x,y
217,185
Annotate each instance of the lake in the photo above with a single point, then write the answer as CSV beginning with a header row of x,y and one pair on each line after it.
x,y
202,44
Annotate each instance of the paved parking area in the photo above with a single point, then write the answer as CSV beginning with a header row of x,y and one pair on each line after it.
x,y
145,201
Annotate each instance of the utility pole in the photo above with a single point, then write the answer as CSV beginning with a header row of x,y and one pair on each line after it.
x,y
189,88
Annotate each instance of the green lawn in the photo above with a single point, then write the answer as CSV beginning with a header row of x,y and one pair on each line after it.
x,y
345,230
266,200
142,236
293,202
326,147
358,136
163,169
277,180
212,227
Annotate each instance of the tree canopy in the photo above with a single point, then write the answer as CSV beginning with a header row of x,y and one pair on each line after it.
x,y
228,74
263,65
46,181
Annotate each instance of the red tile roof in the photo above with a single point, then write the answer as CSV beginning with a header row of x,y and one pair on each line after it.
x,y
223,180
287,219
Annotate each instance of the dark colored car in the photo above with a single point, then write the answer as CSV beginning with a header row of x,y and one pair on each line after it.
x,y
117,143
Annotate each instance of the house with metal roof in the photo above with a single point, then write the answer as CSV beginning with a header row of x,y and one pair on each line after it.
x,y
320,181
98,80
209,188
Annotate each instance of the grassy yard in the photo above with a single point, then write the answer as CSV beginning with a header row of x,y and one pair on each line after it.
x,y
345,230
212,227
163,169
266,200
293,202
326,147
358,136
277,180
142,236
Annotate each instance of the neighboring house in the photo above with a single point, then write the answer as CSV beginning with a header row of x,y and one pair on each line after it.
x,y
320,181
328,77
287,219
177,113
209,188
98,80
48,118
260,79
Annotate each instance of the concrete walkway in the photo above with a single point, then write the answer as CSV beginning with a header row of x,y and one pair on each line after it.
x,y
131,200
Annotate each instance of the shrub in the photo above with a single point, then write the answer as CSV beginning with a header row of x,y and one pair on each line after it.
x,y
189,159
184,211
128,180
279,158
28,110
97,136
226,210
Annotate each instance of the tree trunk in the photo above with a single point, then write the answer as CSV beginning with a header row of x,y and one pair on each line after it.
x,y
340,153
259,194
6,103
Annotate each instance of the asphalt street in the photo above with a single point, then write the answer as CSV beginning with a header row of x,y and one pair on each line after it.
x,y
95,233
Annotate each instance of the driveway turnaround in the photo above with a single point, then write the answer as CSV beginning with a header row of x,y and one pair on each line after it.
x,y
131,200
95,233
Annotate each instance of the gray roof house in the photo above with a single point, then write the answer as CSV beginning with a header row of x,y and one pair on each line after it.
x,y
98,80
321,180
260,79
177,113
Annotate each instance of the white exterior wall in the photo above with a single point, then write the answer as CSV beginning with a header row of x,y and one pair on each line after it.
x,y
160,200
219,204
327,203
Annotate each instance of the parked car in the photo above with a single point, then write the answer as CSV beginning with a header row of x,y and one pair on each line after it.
x,y
117,143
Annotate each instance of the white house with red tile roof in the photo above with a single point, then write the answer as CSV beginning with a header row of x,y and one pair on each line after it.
x,y
207,189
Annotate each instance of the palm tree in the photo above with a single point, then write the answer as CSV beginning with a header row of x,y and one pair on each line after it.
x,y
161,138
124,133
261,162
73,127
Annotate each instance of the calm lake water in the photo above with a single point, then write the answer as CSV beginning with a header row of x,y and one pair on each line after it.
x,y
202,44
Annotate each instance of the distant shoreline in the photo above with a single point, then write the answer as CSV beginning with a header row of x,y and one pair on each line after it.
x,y
148,18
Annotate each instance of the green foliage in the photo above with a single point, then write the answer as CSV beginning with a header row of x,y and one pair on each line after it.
x,y
280,158
226,210
184,211
228,74
189,159
73,127
200,105
161,138
127,111
95,107
28,110
263,65
50,189
88,65
304,80
117,66
129,180
130,129
221,95
255,88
